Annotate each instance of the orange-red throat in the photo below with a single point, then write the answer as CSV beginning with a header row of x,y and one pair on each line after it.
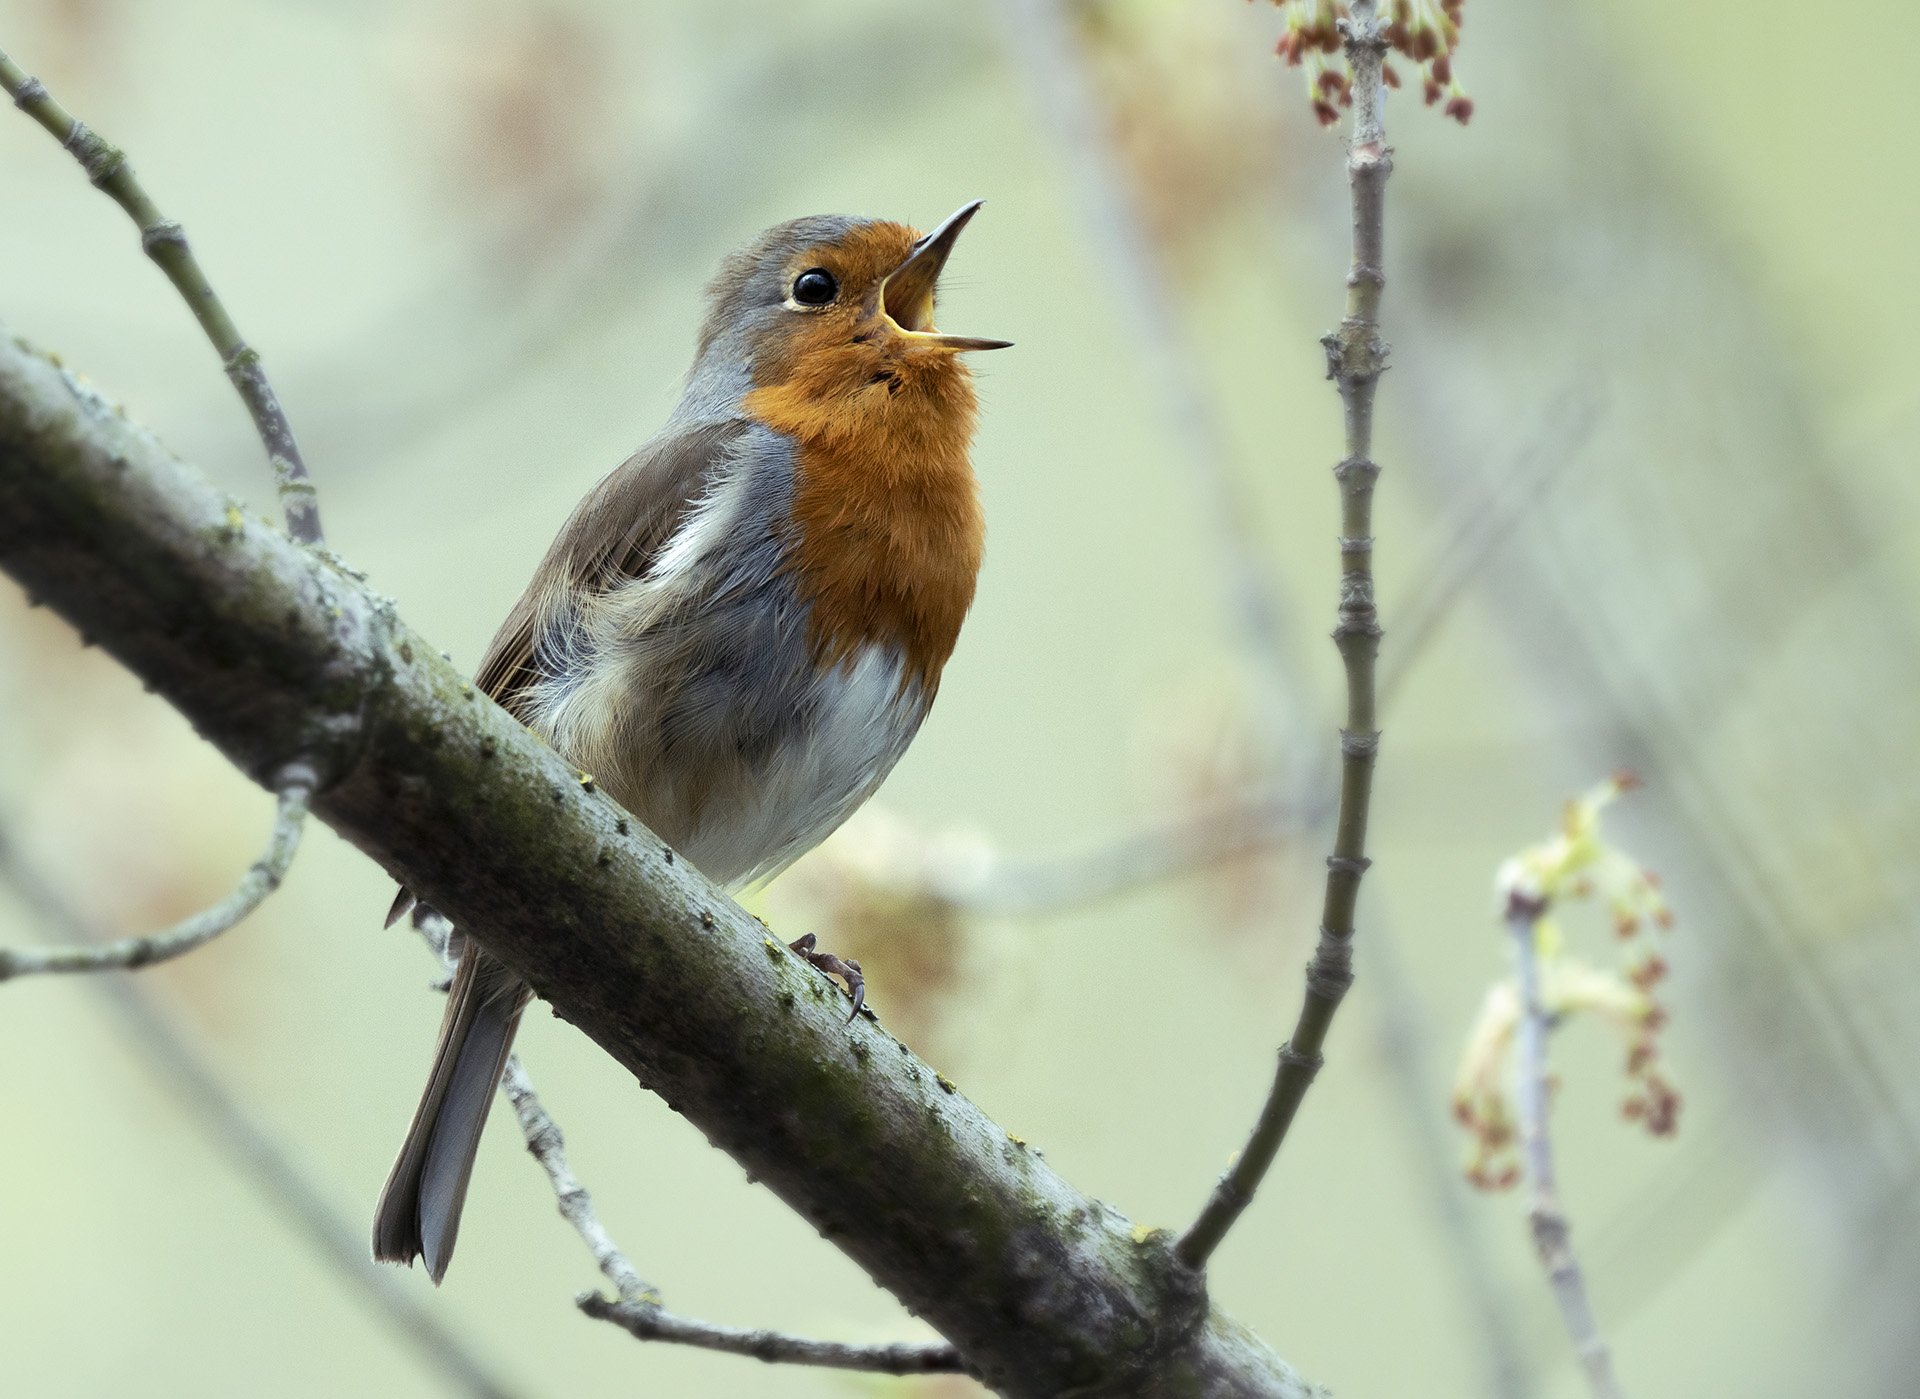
x,y
886,517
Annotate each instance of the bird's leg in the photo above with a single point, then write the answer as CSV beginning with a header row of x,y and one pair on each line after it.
x,y
845,968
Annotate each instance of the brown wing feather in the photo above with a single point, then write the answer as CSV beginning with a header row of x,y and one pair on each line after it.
x,y
613,535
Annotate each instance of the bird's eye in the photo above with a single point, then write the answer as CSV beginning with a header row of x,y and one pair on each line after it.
x,y
815,287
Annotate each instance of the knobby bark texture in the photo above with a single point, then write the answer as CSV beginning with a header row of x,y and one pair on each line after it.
x,y
278,656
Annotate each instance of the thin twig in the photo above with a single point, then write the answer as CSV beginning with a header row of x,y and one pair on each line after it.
x,y
1356,356
652,1323
294,789
165,242
252,1152
1548,1221
638,1305
548,1145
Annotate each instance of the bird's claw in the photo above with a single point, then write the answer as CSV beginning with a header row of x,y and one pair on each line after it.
x,y
846,968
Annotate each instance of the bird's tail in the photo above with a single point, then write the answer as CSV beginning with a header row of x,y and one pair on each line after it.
x,y
419,1210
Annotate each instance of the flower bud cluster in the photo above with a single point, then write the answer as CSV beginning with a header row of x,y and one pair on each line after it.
x,y
1424,32
1576,864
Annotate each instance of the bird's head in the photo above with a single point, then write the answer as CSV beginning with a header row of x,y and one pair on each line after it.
x,y
839,312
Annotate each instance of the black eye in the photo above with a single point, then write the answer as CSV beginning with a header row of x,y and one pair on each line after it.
x,y
815,287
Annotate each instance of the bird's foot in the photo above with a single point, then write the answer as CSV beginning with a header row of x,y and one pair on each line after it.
x,y
845,968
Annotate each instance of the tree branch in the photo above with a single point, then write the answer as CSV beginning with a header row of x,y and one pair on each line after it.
x,y
295,788
1356,357
1551,1233
165,242
275,653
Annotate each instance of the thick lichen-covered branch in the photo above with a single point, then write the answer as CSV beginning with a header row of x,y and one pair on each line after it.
x,y
275,654
165,241
1356,357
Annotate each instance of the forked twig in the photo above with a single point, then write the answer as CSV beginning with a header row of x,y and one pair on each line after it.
x,y
637,1306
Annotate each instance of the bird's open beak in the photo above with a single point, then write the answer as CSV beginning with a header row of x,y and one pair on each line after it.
x,y
906,296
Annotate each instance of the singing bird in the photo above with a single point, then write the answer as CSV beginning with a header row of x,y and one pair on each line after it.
x,y
739,630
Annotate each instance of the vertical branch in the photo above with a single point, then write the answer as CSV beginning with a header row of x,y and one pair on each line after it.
x,y
1551,1234
1356,356
165,242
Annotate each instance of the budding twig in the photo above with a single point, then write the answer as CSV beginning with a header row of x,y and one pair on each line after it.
x,y
128,954
1548,1221
1356,357
165,242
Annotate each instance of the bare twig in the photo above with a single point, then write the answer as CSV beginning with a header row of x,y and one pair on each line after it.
x,y
165,242
250,1149
1548,1221
1356,356
638,1305
548,1145
295,788
652,1323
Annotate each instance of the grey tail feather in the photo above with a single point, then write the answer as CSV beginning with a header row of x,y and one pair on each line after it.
x,y
419,1210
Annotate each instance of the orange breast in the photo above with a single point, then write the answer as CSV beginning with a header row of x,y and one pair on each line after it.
x,y
886,517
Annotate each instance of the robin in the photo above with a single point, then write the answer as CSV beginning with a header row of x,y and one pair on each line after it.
x,y
739,630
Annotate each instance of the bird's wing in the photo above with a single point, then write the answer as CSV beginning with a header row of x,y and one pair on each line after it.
x,y
612,536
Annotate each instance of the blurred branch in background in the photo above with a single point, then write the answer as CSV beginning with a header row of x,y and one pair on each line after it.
x,y
165,241
294,787
498,323
251,1151
1041,40
1479,529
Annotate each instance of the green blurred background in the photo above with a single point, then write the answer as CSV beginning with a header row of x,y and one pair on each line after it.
x,y
1652,405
